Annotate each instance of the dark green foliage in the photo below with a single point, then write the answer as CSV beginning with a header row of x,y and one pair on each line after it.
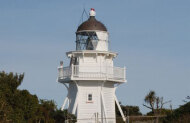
x,y
131,110
19,106
180,115
25,106
8,97
128,111
62,116
162,112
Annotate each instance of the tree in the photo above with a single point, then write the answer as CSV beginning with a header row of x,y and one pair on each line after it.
x,y
61,116
19,106
5,109
155,103
47,108
150,99
8,88
179,115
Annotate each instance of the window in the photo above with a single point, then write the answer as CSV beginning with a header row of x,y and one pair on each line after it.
x,y
86,40
89,98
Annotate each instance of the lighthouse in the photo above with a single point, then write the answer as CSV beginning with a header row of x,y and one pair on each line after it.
x,y
91,78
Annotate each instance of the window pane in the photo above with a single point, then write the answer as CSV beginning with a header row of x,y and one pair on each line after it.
x,y
89,97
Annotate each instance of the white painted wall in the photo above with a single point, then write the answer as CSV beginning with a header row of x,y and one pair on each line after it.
x,y
93,60
103,41
72,95
88,109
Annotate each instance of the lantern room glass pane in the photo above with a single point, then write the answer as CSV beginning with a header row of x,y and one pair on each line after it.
x,y
86,41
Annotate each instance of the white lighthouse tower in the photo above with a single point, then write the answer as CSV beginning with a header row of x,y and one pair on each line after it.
x,y
91,78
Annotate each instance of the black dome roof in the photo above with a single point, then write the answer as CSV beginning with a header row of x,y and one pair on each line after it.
x,y
92,24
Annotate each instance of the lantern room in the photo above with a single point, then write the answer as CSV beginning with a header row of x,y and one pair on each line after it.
x,y
92,35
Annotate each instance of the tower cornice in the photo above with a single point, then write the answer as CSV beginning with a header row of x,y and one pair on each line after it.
x,y
83,52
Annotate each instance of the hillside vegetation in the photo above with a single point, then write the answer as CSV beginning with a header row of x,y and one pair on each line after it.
x,y
19,106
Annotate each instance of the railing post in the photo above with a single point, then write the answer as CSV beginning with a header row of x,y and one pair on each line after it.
x,y
72,71
61,71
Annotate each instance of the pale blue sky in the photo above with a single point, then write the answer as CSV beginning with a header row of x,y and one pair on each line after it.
x,y
152,38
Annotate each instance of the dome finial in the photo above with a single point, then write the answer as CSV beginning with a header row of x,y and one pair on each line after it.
x,y
92,12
